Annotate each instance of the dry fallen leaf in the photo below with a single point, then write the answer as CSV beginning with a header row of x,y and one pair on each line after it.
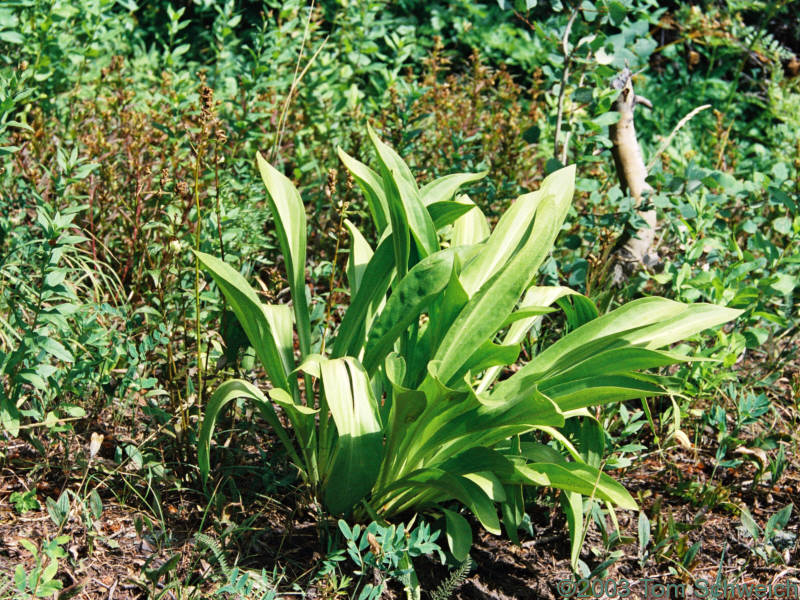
x,y
95,444
374,546
757,452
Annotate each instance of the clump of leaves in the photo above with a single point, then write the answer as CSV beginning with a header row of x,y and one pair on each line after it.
x,y
40,581
405,410
388,550
772,541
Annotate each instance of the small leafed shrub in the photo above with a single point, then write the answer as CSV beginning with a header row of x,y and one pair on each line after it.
x,y
405,409
59,341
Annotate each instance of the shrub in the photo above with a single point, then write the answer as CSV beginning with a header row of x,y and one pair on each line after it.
x,y
406,412
58,339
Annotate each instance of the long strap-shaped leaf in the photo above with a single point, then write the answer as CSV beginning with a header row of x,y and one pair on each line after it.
x,y
575,477
471,228
444,188
251,313
615,361
376,278
447,212
648,322
511,230
406,405
289,217
412,294
480,319
360,255
445,486
372,186
455,421
358,447
535,296
402,191
597,390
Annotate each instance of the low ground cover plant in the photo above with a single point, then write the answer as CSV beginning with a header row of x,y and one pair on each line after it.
x,y
405,409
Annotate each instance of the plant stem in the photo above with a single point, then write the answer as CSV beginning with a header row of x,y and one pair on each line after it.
x,y
216,193
295,79
562,87
329,301
198,230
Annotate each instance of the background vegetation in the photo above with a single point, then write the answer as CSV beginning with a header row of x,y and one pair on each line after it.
x,y
128,136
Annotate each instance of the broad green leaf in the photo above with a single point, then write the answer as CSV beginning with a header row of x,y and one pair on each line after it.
x,y
600,331
484,423
401,187
285,401
513,510
458,533
444,188
598,390
478,502
694,319
526,313
445,486
577,477
578,309
618,360
503,242
359,447
279,317
443,312
476,459
406,407
378,273
289,217
269,345
535,297
446,213
443,408
349,396
488,355
401,233
483,315
647,322
592,441
415,291
572,504
471,228
372,187
360,255
489,483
